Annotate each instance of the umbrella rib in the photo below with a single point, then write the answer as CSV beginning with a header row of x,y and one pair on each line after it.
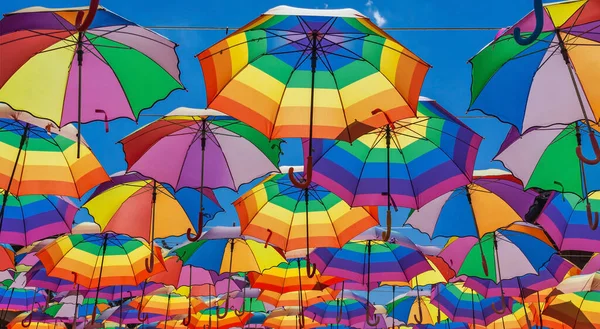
x,y
197,136
120,31
37,34
362,169
412,185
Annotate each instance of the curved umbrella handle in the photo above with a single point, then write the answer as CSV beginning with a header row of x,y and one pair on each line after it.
x,y
308,174
484,265
385,236
268,238
595,147
301,321
502,302
538,7
389,121
141,318
368,320
105,119
150,263
243,308
189,233
27,321
83,26
74,279
592,218
338,313
439,315
186,322
311,268
226,309
419,319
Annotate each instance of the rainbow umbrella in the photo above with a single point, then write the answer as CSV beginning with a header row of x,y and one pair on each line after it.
x,y
413,309
440,273
99,260
126,314
82,309
35,320
344,311
210,318
179,275
20,299
303,298
550,79
65,61
26,256
323,73
37,160
567,219
548,276
137,207
462,304
575,310
370,261
290,276
289,318
173,149
515,251
167,304
418,159
30,218
518,319
272,211
247,301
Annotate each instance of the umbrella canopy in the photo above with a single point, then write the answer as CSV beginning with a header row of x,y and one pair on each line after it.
x,y
296,298
565,218
36,161
99,260
48,53
167,304
35,320
544,158
21,299
518,319
292,218
408,310
462,304
575,310
84,307
593,265
517,250
318,78
357,172
550,80
127,314
208,319
440,273
289,319
495,199
138,208
178,274
171,150
340,311
7,258
290,276
31,218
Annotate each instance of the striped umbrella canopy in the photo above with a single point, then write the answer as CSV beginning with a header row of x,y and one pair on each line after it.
x,y
247,301
65,61
344,311
209,319
21,299
289,318
296,298
520,318
440,272
565,218
428,156
319,79
562,51
166,304
126,314
99,260
576,310
305,218
442,325
38,160
31,218
412,309
290,276
462,304
493,200
35,320
83,308
515,251
26,256
179,275
548,276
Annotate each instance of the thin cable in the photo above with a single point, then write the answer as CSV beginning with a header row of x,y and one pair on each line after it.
x,y
398,28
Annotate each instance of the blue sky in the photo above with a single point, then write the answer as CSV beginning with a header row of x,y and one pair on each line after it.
x,y
447,51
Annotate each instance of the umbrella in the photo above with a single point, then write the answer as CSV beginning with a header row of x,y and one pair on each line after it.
x,y
98,260
412,309
179,275
575,310
65,61
169,304
30,218
35,320
126,314
541,158
394,156
26,256
517,250
289,318
550,80
344,311
83,308
323,72
369,261
137,207
566,218
518,319
292,218
210,318
462,304
173,150
440,273
247,301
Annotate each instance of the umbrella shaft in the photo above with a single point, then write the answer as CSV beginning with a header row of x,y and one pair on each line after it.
x,y
12,174
313,65
79,88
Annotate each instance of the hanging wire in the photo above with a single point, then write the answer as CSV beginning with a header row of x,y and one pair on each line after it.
x,y
423,28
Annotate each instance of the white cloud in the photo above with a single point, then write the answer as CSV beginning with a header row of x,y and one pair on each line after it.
x,y
379,19
373,11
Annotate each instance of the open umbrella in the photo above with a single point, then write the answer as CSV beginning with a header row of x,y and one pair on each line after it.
x,y
413,309
289,318
210,319
385,167
167,304
323,72
344,311
66,68
173,150
293,218
550,78
138,207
